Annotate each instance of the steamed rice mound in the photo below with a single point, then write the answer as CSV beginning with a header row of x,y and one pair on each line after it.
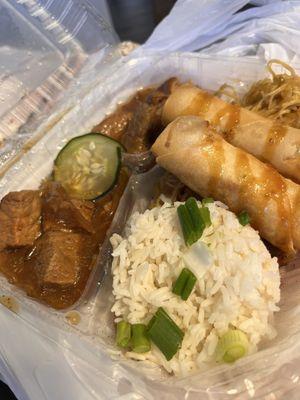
x,y
240,289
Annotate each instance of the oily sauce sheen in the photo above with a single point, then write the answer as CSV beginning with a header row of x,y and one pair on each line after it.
x,y
228,117
18,267
270,187
137,123
10,303
275,135
216,164
260,189
201,102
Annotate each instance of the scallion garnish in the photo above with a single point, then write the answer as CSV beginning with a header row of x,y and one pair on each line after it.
x,y
181,282
184,284
123,334
244,218
164,333
140,342
193,220
205,214
207,200
186,225
189,286
232,345
197,221
161,312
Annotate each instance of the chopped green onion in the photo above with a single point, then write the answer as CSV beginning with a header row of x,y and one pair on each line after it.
x,y
140,342
244,218
184,284
164,333
189,286
207,200
186,225
193,220
181,281
205,214
197,221
232,346
161,312
123,334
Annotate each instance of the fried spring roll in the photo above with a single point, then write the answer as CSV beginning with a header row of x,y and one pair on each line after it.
x,y
212,167
268,140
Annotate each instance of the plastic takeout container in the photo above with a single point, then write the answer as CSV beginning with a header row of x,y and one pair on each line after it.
x,y
44,46
272,365
101,80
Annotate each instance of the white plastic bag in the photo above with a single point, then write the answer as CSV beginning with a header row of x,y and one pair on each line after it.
x,y
196,25
190,22
280,30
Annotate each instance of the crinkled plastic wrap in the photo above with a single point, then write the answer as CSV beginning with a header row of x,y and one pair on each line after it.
x,y
88,348
229,28
45,46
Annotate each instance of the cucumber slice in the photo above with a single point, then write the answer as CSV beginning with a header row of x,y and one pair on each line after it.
x,y
88,166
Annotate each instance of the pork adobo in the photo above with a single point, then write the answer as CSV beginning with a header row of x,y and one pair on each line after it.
x,y
50,238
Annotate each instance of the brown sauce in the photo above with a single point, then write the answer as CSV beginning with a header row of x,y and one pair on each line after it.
x,y
257,193
296,219
73,317
230,114
10,303
18,267
275,136
228,117
216,161
199,105
136,124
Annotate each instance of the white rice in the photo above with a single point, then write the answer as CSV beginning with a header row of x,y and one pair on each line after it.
x,y
240,289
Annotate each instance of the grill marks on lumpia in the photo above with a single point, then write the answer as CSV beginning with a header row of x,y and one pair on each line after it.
x,y
212,167
268,140
199,105
259,191
255,189
215,157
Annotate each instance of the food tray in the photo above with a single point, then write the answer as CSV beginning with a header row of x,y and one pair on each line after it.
x,y
92,339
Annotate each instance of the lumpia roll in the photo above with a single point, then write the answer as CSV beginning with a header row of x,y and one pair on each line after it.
x,y
268,140
212,167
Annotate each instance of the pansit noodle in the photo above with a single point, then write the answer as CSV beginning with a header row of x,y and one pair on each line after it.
x,y
277,97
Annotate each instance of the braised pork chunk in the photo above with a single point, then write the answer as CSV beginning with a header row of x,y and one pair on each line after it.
x,y
57,258
20,214
61,212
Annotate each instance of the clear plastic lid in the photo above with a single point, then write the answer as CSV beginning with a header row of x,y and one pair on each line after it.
x,y
103,85
43,47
